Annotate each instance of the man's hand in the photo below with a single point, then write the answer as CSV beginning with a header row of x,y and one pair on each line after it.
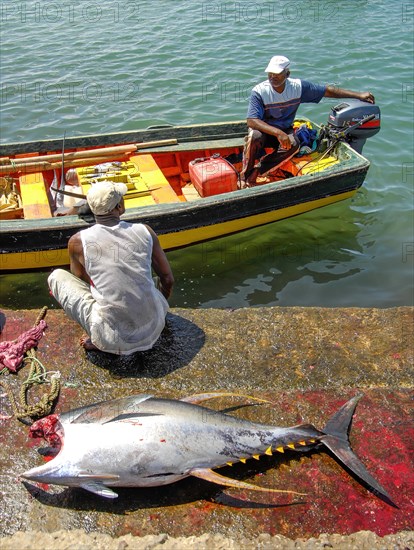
x,y
161,265
367,96
166,285
286,141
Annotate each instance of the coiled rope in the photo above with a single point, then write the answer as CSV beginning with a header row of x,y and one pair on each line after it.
x,y
37,375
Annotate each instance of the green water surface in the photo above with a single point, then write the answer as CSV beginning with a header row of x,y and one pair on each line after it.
x,y
89,67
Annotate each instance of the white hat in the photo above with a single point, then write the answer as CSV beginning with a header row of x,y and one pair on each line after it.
x,y
103,196
277,64
72,177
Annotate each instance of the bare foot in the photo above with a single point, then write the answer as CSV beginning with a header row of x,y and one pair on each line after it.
x,y
86,343
263,179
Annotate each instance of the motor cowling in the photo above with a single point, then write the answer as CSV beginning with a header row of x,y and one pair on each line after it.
x,y
354,121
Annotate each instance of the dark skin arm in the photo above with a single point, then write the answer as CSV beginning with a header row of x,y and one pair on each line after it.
x,y
334,91
331,91
265,128
77,260
161,265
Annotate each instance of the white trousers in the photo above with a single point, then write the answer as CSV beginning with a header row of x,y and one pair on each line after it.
x,y
74,295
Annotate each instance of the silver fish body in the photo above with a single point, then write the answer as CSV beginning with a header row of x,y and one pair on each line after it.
x,y
141,441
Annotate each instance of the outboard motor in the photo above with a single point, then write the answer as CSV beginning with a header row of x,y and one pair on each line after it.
x,y
354,121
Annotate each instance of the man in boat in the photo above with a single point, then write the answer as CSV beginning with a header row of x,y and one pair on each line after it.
x,y
271,113
109,290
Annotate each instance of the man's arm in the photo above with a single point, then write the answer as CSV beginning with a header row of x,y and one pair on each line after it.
x,y
334,91
265,128
77,260
255,120
161,265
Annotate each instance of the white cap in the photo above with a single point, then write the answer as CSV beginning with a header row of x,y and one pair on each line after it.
x,y
72,177
277,64
103,196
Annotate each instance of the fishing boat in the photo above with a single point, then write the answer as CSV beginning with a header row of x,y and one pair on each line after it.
x,y
183,181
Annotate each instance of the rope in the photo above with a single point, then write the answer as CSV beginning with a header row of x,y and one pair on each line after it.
x,y
41,315
37,375
318,159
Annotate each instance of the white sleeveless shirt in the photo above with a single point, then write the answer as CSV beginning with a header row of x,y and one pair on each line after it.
x,y
129,312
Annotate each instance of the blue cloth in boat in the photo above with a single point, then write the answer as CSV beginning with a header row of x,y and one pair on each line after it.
x,y
307,138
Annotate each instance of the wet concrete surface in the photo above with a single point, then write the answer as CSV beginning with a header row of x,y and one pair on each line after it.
x,y
306,361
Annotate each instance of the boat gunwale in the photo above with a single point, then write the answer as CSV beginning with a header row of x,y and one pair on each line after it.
x,y
185,133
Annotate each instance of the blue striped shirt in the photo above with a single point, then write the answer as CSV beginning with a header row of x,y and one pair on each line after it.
x,y
280,109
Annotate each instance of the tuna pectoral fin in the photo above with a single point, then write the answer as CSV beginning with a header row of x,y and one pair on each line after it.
x,y
98,488
336,439
214,477
94,483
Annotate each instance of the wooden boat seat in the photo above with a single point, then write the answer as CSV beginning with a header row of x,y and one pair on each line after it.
x,y
34,196
154,179
190,193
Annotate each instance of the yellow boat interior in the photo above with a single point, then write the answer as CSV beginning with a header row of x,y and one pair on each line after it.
x,y
152,177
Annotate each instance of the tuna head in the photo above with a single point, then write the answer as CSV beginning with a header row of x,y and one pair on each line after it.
x,y
48,473
51,430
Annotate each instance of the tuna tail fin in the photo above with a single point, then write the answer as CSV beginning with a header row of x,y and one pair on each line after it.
x,y
336,439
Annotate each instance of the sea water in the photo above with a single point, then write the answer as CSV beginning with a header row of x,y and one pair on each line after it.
x,y
95,67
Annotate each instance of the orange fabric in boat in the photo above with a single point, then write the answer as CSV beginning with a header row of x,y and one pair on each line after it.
x,y
34,196
154,179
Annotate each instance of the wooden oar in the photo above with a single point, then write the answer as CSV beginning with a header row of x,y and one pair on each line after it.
x,y
130,193
103,151
62,172
68,193
109,151
31,167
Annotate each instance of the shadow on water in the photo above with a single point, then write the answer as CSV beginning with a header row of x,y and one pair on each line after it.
x,y
179,342
186,491
323,248
315,259
260,266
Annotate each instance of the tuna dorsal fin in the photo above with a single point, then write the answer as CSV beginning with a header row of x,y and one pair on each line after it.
x,y
214,477
98,488
104,411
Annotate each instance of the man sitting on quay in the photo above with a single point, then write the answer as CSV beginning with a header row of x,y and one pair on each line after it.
x,y
110,290
272,108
